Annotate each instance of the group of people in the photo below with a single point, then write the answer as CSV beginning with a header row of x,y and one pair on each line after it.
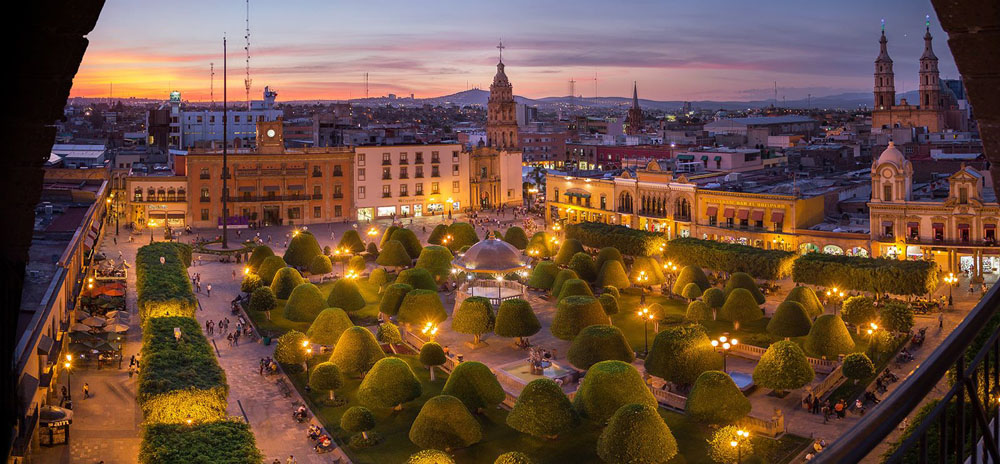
x,y
322,439
814,405
817,446
196,283
268,364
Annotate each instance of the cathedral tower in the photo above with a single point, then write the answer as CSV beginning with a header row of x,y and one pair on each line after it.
x,y
501,121
930,86
885,80
633,121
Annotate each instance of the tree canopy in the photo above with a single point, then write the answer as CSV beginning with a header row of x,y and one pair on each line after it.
x,y
598,343
420,307
808,299
515,318
474,317
543,275
444,423
475,385
436,260
542,410
301,249
829,337
574,313
608,386
356,351
613,273
328,326
583,265
269,267
345,295
389,384
516,237
351,241
691,275
681,353
789,320
304,304
876,275
419,278
567,249
636,434
393,298
783,367
715,399
394,255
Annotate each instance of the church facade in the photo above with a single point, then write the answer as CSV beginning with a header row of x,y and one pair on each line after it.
x,y
495,169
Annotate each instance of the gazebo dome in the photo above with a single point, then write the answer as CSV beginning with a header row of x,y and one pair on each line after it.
x,y
490,256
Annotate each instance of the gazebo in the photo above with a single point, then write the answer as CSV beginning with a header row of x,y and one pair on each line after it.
x,y
486,263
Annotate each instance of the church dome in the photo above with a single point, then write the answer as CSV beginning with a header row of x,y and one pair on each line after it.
x,y
490,256
891,155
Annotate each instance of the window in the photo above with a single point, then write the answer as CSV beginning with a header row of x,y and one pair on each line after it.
x,y
729,222
454,169
317,212
403,159
361,160
317,192
418,189
317,172
435,171
419,157
386,191
963,195
386,159
454,186
403,173
361,192
604,201
386,173
404,190
454,156
887,192
338,211
338,191
295,213
138,194
204,214
555,194
204,173
435,157
713,220
236,119
420,172
434,188
338,171
204,193
361,174
181,194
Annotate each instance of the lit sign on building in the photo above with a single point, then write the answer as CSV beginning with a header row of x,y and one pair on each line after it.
x,y
175,96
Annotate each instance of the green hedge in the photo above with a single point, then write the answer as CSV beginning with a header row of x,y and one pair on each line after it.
x,y
878,275
301,249
729,257
628,241
222,442
164,289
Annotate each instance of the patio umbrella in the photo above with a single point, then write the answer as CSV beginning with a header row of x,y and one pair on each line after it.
x,y
117,315
95,321
105,346
80,327
113,292
116,327
77,347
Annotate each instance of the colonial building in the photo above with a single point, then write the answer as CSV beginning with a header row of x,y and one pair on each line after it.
x,y
410,180
633,120
156,199
495,170
173,125
270,184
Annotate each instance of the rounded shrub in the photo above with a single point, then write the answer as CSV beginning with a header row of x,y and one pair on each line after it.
x,y
288,349
388,334
746,282
714,298
420,307
372,250
409,241
540,242
301,249
858,366
636,433
653,271
611,290
393,298
608,254
574,313
515,318
609,303
462,235
783,367
691,291
583,265
389,384
808,299
513,457
431,355
326,376
444,423
262,299
567,249
357,419
572,287
351,241
715,399
474,317
320,265
609,385
740,307
895,316
859,311
394,255
613,274
598,343
439,232
357,264
419,278
789,320
475,385
356,351
304,304
436,260
250,283
328,326
681,353
269,267
516,237
378,278
259,254
285,280
542,410
430,456
386,236
691,275
561,278
698,311
829,337
543,275
345,295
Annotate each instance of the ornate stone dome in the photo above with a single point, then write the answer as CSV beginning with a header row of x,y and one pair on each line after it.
x,y
490,256
891,155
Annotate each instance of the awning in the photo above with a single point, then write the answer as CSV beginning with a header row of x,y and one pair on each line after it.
x,y
963,226
685,157
743,214
938,225
886,223
271,188
247,189
757,215
175,215
704,157
728,212
778,216
296,187
912,224
718,158
712,210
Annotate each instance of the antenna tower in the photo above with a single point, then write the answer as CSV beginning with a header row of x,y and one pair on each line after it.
x,y
211,87
595,87
246,81
366,86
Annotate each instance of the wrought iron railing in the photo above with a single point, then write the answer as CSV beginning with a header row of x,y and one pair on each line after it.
x,y
964,425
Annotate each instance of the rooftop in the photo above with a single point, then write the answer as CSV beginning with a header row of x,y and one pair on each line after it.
x,y
767,120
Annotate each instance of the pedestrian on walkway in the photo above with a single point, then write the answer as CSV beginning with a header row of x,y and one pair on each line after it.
x,y
839,408
859,406
229,338
291,460
197,287
940,320
234,273
209,288
86,390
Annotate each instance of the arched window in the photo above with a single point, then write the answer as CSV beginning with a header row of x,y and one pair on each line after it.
x,y
181,193
150,194
161,195
138,194
171,195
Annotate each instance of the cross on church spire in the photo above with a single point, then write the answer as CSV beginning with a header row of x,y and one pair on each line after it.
x,y
501,47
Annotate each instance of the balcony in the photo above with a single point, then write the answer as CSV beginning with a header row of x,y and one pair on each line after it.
x,y
317,196
404,194
338,173
386,195
204,176
435,160
204,199
386,176
404,162
295,172
317,174
270,172
418,193
386,162
247,172
419,160
338,195
404,176
418,175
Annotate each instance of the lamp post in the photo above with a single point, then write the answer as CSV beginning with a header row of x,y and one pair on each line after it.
x,y
725,344
372,232
740,436
150,225
950,280
873,327
305,363
499,289
835,296
641,279
430,330
671,269
646,316
69,376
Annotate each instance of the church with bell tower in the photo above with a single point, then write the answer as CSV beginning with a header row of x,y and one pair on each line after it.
x,y
495,169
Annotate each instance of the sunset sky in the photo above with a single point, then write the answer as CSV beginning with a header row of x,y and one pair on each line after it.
x,y
676,50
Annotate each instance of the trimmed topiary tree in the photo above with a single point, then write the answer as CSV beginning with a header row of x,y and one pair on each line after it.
x,y
895,316
289,351
583,265
417,277
462,235
304,304
474,384
351,241
420,307
612,290
250,283
301,249
378,278
561,278
515,318
516,237
859,311
439,232
328,326
326,376
320,265
610,304
444,423
691,291
680,354
388,334
540,242
356,351
783,367
567,249
740,308
345,295
285,280
262,299
608,254
357,419
430,456
436,260
393,298
431,355
613,274
543,275
409,240
572,287
269,267
689,275
357,264
721,449
808,299
598,343
372,250
746,282
858,366
829,337
259,254
542,410
386,236
394,255
789,320
389,384
698,311
653,271
636,434
513,457
715,399
574,313
474,317
714,298
609,385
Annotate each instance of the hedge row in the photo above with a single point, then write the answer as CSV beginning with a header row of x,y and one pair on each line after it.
x,y
222,442
878,275
629,241
164,289
730,257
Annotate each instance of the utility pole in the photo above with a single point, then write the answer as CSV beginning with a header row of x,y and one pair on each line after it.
x,y
225,150
211,92
246,80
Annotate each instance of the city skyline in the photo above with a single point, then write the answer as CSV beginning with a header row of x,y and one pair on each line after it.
x,y
713,50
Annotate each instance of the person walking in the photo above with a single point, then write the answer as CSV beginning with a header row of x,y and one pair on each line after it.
x,y
839,409
209,289
234,274
291,460
86,390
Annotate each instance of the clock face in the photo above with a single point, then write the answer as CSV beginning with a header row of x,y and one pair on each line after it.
x,y
270,132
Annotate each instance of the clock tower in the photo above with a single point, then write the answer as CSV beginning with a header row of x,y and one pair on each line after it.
x,y
270,136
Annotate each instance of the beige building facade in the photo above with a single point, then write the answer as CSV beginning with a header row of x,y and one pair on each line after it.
x,y
401,181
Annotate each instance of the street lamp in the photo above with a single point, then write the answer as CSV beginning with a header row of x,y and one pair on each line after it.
x,y
430,330
69,376
740,436
724,344
646,316
499,291
305,364
150,225
641,279
671,269
951,280
835,296
372,232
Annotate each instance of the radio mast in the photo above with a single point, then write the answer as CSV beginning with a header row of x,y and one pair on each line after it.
x,y
247,81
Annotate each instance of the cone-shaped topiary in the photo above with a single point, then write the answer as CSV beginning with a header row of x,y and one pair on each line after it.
x,y
740,308
356,351
859,311
320,265
688,275
378,278
269,267
611,289
651,268
288,350
389,384
573,287
608,254
783,367
636,433
262,299
444,423
475,385
543,275
301,249
430,456
388,334
808,299
357,264
259,254
285,280
328,326
698,311
567,249
516,236
714,298
789,320
436,260
744,281
409,240
515,318
357,419
250,283
420,307
351,241
562,277
680,354
583,265
691,291
372,250
439,232
540,245
715,399
542,410
474,317
386,236
305,303
608,386
393,298
599,343
326,376
574,313
393,255
431,355
829,337
613,274
345,295
513,457
858,366
609,303
418,277
462,235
